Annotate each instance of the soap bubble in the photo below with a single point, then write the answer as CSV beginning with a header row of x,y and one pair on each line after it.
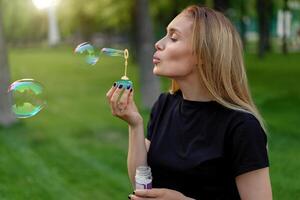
x,y
112,52
28,97
91,53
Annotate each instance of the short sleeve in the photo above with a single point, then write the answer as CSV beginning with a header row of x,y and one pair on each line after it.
x,y
249,147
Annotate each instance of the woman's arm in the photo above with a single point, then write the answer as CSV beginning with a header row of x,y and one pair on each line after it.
x,y
137,152
122,106
255,185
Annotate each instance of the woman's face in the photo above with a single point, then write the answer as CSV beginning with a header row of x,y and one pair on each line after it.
x,y
174,57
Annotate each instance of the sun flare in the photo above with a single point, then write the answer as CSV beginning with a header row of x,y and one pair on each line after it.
x,y
43,4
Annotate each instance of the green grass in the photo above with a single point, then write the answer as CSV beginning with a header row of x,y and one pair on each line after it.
x,y
75,149
275,85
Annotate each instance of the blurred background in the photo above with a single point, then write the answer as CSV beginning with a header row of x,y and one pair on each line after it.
x,y
74,148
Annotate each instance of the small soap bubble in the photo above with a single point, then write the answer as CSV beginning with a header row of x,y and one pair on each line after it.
x,y
112,52
90,52
28,97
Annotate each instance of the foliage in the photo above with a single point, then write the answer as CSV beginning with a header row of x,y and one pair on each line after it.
x,y
163,12
23,22
90,16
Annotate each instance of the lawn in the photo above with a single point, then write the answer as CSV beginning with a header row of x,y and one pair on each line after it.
x,y
74,148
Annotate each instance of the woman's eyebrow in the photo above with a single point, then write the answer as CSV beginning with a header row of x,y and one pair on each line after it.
x,y
172,30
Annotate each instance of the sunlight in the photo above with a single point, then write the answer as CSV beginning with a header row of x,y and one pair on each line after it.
x,y
43,4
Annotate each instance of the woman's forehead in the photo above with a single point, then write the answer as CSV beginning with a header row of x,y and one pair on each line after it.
x,y
182,24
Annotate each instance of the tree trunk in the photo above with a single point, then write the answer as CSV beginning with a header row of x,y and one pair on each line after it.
x,y
264,15
53,30
243,23
6,116
284,38
150,87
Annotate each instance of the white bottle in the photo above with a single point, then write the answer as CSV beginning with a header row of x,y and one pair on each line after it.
x,y
143,178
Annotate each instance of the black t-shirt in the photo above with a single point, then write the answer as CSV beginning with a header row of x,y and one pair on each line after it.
x,y
198,148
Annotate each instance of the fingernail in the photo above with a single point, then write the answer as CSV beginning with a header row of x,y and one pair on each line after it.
x,y
115,84
128,87
120,86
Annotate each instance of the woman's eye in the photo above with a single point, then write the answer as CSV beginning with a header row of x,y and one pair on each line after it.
x,y
173,39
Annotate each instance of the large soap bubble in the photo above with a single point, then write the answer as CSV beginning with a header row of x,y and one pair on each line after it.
x,y
28,97
91,53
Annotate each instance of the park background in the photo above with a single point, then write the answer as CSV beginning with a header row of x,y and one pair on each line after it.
x,y
74,148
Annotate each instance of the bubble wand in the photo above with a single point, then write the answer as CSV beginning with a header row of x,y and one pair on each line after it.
x,y
92,57
124,53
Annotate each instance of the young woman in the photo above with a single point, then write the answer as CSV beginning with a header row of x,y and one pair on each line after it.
x,y
205,138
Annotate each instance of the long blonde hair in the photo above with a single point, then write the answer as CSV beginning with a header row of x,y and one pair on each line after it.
x,y
218,48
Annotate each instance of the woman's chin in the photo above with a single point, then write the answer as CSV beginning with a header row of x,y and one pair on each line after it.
x,y
156,70
159,72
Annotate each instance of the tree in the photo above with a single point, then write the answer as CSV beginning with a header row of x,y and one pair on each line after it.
x,y
264,11
144,40
53,29
6,116
243,14
85,18
242,23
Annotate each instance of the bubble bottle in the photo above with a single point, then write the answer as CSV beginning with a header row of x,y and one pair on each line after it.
x,y
143,178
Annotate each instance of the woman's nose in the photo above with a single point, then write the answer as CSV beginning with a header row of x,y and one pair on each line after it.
x,y
159,45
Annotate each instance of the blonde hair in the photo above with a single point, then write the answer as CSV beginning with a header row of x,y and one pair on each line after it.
x,y
219,51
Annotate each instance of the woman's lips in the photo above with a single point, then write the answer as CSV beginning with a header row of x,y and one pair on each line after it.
x,y
156,60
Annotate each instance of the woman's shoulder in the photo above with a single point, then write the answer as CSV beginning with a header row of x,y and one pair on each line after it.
x,y
241,116
234,115
238,119
167,96
164,101
245,118
246,125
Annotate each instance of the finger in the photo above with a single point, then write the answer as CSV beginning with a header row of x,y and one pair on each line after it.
x,y
123,101
148,192
111,91
134,197
115,97
130,96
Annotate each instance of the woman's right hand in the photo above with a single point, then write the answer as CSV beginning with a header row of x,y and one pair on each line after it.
x,y
124,106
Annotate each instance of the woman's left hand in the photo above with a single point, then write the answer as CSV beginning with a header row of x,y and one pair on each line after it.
x,y
156,194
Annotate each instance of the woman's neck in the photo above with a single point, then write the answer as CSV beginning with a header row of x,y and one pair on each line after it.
x,y
192,88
